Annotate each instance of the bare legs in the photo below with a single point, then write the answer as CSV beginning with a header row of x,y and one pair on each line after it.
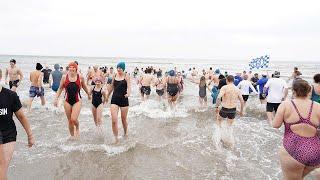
x,y
6,152
97,114
114,116
291,168
270,117
43,102
72,113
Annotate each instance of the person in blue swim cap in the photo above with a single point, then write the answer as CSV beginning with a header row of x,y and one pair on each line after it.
x,y
121,65
121,90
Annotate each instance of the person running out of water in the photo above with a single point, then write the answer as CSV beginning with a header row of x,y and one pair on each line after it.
x,y
277,92
261,83
96,73
245,87
36,88
315,95
160,85
300,153
145,82
10,104
72,83
99,97
295,74
228,97
202,90
56,76
215,78
210,73
194,72
110,76
173,84
121,88
46,75
15,75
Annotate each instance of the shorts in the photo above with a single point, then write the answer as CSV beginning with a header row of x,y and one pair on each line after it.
x,y
7,136
36,91
160,92
145,90
245,97
261,97
120,101
45,81
272,107
229,113
13,83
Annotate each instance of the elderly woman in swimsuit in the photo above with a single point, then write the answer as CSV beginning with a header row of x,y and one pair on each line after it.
x,y
72,83
301,144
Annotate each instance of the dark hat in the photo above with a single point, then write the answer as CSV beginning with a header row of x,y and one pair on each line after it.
x,y
276,74
39,66
13,61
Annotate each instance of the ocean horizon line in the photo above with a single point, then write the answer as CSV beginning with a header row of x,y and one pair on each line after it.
x,y
158,58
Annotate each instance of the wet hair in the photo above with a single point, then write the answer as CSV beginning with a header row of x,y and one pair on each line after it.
x,y
13,61
149,71
230,78
301,88
38,66
210,68
202,81
295,68
316,78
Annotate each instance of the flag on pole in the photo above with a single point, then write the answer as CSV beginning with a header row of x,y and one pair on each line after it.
x,y
260,62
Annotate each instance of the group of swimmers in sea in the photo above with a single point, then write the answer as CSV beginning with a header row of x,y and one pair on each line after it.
x,y
300,115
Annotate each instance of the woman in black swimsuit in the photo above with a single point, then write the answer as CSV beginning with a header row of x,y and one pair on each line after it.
x,y
99,97
121,88
173,86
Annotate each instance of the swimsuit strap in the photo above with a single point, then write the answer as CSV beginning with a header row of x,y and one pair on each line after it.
x,y
295,107
309,114
310,111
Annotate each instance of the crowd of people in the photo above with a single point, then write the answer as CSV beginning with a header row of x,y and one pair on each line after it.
x,y
300,114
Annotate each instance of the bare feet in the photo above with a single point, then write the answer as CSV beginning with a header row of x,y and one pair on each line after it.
x,y
116,141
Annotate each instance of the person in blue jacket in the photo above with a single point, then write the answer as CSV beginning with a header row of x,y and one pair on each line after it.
x,y
261,82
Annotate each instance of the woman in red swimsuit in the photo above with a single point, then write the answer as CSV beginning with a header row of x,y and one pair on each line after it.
x,y
72,83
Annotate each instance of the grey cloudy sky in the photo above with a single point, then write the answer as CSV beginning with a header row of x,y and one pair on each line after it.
x,y
238,29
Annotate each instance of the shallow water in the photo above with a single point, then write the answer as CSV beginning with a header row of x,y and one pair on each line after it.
x,y
162,144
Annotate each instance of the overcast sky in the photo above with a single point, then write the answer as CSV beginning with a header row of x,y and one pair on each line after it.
x,y
213,29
